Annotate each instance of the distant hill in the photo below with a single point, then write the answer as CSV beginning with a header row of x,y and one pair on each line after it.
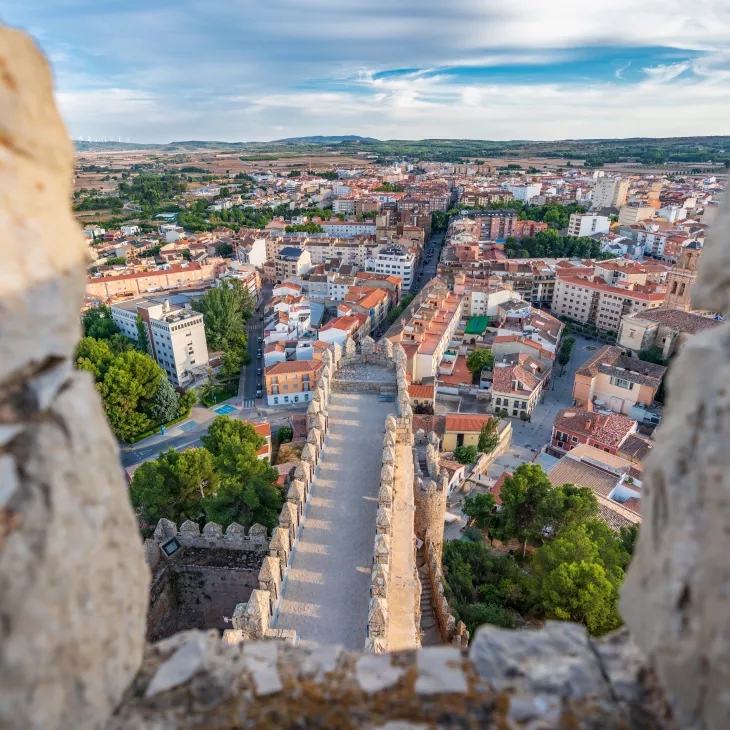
x,y
319,139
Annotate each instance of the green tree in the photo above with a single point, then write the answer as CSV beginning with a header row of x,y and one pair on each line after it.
x,y
654,355
224,430
164,405
522,495
567,505
478,360
94,356
628,537
480,508
225,310
225,250
174,485
143,341
187,400
130,381
285,434
465,454
577,577
488,437
98,323
566,349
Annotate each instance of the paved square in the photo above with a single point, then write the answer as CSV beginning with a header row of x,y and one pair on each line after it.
x,y
328,587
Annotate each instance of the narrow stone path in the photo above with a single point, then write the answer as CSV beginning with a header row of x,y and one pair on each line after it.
x,y
326,594
401,600
429,624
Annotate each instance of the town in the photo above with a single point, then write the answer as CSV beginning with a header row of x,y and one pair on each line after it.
x,y
536,310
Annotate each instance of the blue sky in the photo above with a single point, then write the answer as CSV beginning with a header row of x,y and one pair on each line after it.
x,y
243,70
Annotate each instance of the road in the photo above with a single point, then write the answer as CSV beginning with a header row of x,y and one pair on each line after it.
x,y
427,270
251,380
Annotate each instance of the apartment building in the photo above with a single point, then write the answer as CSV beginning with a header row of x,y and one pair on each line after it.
x,y
605,431
482,299
176,336
292,262
340,328
348,229
517,385
614,381
291,381
610,193
495,225
372,303
394,261
631,214
587,224
428,328
137,283
592,300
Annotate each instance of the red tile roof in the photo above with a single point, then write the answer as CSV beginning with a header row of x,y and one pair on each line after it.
x,y
466,423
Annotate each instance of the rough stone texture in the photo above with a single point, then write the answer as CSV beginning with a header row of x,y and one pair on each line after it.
x,y
73,578
675,597
273,685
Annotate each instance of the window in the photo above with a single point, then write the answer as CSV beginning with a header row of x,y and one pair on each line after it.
x,y
276,401
621,383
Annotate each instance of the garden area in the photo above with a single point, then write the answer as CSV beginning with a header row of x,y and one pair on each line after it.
x,y
213,393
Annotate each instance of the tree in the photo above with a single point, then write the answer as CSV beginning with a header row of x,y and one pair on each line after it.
x,y
522,495
143,342
465,454
174,485
478,360
488,437
225,310
424,409
187,400
567,505
98,323
285,434
223,430
225,250
654,355
577,576
628,537
164,405
566,348
480,508
130,381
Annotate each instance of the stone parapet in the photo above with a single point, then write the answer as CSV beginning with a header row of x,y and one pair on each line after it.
x,y
212,535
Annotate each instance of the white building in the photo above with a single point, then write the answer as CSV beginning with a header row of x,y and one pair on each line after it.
x,y
130,230
525,192
396,261
586,224
345,206
610,192
672,213
176,336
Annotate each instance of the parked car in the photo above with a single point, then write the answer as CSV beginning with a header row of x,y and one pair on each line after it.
x,y
259,371
259,393
260,338
258,355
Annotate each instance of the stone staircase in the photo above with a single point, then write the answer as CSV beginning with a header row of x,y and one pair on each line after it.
x,y
388,393
429,624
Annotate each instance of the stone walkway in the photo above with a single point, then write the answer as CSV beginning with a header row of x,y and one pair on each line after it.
x,y
401,601
328,588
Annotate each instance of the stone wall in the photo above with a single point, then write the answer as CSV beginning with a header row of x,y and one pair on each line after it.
x,y
200,585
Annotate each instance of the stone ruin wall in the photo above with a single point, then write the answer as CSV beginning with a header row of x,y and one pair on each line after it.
x,y
76,584
201,585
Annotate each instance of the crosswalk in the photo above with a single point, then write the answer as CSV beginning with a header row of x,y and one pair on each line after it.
x,y
249,403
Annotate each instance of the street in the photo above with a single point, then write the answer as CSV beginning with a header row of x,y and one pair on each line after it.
x,y
250,380
427,269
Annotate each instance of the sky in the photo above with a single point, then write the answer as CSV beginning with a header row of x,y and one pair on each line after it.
x,y
257,70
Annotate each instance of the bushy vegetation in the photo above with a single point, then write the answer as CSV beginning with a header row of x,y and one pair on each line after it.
x,y
224,481
574,573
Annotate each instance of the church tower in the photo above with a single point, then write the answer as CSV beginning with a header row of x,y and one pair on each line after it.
x,y
682,277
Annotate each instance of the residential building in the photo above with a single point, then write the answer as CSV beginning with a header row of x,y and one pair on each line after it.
x,y
372,303
604,431
394,261
422,395
590,298
291,382
176,336
631,214
263,430
587,224
292,262
617,382
610,193
518,383
496,225
246,274
426,329
525,192
463,429
665,328
137,283
340,328
482,299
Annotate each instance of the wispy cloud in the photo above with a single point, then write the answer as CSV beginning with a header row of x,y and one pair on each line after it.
x,y
241,70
